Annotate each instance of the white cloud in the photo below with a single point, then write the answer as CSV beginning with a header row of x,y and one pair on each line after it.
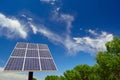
x,y
64,18
92,32
77,44
68,19
58,8
28,18
11,27
52,2
74,45
34,28
50,35
23,15
11,76
47,33
94,45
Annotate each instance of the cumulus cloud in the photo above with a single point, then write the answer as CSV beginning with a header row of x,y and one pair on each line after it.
x,y
11,76
93,45
11,27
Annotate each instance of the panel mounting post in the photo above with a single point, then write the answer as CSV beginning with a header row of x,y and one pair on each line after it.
x,y
30,77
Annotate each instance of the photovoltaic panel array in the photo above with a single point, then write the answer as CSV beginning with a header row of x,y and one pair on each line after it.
x,y
30,57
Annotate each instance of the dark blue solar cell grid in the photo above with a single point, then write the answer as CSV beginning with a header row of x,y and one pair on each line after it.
x,y
44,53
32,64
30,57
47,64
42,46
21,45
15,64
32,46
32,53
19,52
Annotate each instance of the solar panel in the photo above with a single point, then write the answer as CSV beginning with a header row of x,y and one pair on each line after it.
x,y
30,57
42,46
32,46
21,45
32,64
44,53
32,53
47,64
14,64
19,52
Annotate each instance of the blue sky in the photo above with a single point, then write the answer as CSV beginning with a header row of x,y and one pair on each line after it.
x,y
75,30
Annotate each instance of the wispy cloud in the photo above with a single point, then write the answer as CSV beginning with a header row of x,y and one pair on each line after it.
x,y
92,32
28,18
52,2
68,19
11,76
34,28
64,18
74,45
11,27
46,32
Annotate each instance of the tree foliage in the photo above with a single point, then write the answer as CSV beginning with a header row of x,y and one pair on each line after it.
x,y
34,79
107,67
72,75
109,61
52,78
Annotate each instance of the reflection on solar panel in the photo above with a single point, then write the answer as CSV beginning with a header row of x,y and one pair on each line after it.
x,y
30,57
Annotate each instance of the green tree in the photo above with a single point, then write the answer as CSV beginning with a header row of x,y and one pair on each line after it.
x,y
52,78
72,75
94,75
34,79
109,61
62,78
84,71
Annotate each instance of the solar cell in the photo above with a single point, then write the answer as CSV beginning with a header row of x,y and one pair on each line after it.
x,y
44,53
18,52
47,64
30,57
32,53
32,46
42,46
14,64
21,45
32,64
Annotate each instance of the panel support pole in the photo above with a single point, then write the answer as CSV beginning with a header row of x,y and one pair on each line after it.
x,y
30,76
